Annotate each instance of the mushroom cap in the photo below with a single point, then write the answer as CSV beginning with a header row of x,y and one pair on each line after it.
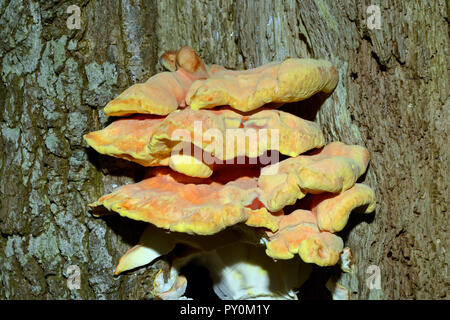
x,y
219,133
152,244
278,82
191,141
310,232
334,169
163,92
178,203
298,233
190,165
188,60
172,288
128,139
167,60
159,95
323,249
333,212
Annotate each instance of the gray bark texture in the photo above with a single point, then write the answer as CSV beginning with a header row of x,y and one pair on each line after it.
x,y
392,97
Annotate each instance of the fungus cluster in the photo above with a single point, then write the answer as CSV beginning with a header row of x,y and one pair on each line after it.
x,y
216,187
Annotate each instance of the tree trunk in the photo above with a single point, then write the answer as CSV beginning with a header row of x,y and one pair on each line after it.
x,y
392,97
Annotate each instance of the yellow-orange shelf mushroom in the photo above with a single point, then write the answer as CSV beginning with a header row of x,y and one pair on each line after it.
x,y
128,139
309,233
333,211
298,233
180,203
218,129
334,169
221,135
224,214
278,82
172,201
165,91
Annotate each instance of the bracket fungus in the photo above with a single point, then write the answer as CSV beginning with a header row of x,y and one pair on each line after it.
x,y
299,234
334,169
164,92
151,141
230,218
278,82
175,203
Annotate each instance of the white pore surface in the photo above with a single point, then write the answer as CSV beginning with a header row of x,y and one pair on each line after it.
x,y
243,271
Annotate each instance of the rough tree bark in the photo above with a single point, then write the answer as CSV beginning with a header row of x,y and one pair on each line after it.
x,y
392,97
